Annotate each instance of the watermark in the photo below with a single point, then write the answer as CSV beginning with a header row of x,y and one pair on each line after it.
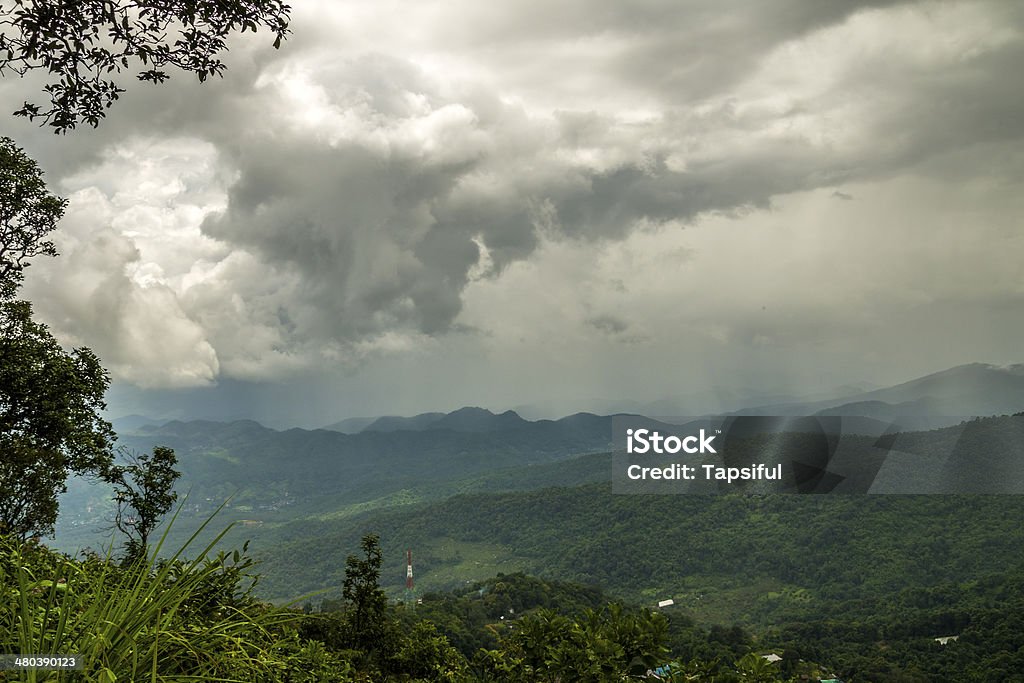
x,y
646,440
818,454
9,662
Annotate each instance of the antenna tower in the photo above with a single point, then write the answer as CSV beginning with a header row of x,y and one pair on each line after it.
x,y
410,591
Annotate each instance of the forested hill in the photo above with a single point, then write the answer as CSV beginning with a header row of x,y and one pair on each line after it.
x,y
728,558
254,463
326,469
308,496
751,559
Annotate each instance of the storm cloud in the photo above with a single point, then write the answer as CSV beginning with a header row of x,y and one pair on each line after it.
x,y
402,174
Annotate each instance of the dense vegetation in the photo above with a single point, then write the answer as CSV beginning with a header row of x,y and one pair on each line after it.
x,y
163,620
172,619
894,637
777,555
176,620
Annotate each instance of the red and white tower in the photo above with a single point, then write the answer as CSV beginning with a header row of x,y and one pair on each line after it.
x,y
410,594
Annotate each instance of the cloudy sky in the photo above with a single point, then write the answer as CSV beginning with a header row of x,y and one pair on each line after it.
x,y
423,205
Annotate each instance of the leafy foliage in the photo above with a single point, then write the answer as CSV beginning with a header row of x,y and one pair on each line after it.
x,y
50,399
606,645
366,600
144,492
50,424
81,43
28,213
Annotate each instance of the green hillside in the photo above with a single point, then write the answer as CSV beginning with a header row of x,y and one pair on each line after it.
x,y
724,558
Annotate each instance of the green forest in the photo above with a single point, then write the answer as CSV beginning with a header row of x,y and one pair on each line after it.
x,y
198,619
177,619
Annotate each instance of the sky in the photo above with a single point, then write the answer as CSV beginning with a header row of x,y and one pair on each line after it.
x,y
417,206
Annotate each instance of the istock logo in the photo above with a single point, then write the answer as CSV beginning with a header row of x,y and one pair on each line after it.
x,y
645,441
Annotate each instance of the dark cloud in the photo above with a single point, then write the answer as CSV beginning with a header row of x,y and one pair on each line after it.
x,y
360,182
609,324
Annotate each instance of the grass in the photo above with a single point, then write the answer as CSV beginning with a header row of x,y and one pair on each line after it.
x,y
154,620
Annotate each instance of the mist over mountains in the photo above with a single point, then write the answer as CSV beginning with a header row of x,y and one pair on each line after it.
x,y
968,390
463,420
376,461
936,400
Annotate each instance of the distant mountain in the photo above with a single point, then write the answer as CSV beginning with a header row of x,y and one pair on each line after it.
x,y
206,431
351,425
922,414
479,420
129,423
553,409
940,399
710,402
326,468
703,403
461,420
396,453
975,389
877,409
394,423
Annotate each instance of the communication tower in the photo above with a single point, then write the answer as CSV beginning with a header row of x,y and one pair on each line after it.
x,y
410,592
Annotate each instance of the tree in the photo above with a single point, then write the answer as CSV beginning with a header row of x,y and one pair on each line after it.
x,y
50,399
605,645
50,424
81,43
25,482
753,668
366,600
28,212
426,655
144,492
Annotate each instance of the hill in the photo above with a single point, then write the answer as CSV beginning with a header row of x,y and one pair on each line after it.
x,y
394,423
749,559
351,425
945,398
273,477
294,489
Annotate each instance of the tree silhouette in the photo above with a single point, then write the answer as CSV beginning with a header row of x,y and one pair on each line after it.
x,y
367,603
28,213
50,424
144,492
83,44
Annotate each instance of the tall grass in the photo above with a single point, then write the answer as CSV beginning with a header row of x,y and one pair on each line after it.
x,y
153,620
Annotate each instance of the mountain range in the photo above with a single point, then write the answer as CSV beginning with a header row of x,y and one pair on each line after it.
x,y
477,492
937,400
